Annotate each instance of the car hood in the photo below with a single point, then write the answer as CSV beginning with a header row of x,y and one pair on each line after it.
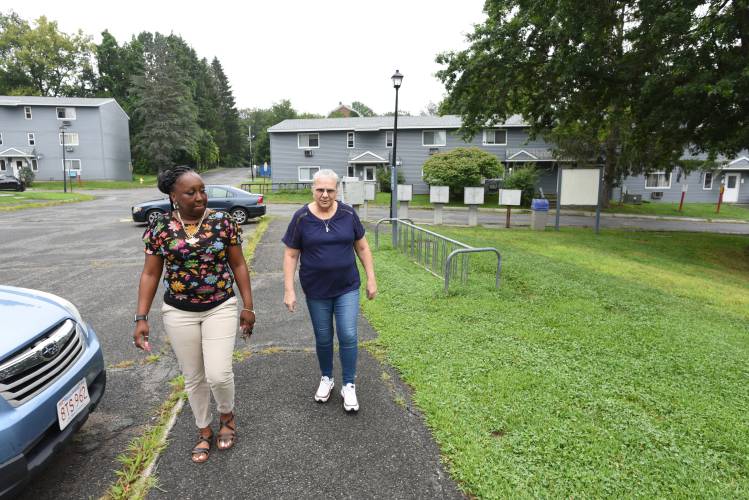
x,y
26,314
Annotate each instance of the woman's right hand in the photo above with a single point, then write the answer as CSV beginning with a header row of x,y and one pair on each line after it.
x,y
289,299
140,336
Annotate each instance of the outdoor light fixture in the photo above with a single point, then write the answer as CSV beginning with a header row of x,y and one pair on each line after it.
x,y
397,80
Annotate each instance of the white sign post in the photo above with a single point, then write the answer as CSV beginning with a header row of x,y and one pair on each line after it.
x,y
438,196
509,198
580,186
473,197
405,194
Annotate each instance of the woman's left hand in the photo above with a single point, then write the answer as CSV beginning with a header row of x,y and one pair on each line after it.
x,y
371,289
246,322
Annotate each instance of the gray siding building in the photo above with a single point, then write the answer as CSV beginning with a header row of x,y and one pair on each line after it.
x,y
97,137
357,147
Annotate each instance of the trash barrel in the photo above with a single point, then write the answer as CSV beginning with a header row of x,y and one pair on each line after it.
x,y
539,213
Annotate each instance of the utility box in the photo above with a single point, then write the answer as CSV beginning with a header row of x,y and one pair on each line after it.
x,y
405,192
369,191
634,199
473,196
439,194
353,191
510,197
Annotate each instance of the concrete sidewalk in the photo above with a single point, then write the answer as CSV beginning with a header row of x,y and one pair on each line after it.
x,y
289,446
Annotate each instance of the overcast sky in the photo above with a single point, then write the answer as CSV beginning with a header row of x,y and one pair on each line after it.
x,y
313,53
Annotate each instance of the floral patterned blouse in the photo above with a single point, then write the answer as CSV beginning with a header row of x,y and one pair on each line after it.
x,y
197,276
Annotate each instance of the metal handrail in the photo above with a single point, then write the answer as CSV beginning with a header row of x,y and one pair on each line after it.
x,y
434,252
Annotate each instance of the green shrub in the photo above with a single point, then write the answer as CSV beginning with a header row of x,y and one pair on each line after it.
x,y
461,167
26,175
523,178
383,179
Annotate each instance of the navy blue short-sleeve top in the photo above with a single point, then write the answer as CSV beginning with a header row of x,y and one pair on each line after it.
x,y
327,258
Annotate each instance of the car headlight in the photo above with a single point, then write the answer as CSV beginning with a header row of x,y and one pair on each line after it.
x,y
137,209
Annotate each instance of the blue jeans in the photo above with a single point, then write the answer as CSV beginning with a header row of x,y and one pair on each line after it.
x,y
346,310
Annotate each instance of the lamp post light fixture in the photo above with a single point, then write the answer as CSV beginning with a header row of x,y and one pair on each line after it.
x,y
397,80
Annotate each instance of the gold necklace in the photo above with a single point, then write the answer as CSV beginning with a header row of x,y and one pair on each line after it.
x,y
191,235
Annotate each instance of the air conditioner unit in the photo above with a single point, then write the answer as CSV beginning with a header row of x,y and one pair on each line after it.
x,y
307,153
656,195
434,150
66,123
69,149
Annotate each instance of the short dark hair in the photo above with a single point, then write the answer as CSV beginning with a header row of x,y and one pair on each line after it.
x,y
169,177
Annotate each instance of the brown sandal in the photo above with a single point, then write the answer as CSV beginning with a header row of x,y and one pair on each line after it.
x,y
227,433
198,451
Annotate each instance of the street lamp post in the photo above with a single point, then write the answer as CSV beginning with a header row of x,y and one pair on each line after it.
x,y
64,183
252,164
397,80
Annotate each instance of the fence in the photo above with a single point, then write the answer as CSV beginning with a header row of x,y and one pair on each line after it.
x,y
265,188
438,254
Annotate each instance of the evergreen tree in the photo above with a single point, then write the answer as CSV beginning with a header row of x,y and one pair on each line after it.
x,y
163,103
229,136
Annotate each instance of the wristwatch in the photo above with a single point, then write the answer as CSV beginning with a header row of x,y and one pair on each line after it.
x,y
139,317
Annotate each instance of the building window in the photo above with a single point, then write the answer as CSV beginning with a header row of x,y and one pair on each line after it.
x,y
73,165
27,112
350,171
66,113
34,165
2,166
369,173
310,140
71,138
306,173
1,138
31,138
433,138
350,140
707,182
388,138
658,180
495,137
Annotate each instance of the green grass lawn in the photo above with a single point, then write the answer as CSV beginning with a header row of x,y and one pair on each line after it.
x,y
10,201
609,366
699,210
148,181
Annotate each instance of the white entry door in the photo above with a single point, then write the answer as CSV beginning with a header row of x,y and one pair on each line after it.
x,y
17,164
731,194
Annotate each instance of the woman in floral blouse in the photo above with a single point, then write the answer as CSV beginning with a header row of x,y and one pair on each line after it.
x,y
199,251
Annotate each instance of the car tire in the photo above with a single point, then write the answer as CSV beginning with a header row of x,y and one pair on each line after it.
x,y
152,215
239,215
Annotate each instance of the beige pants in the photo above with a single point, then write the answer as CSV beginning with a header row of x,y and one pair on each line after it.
x,y
204,344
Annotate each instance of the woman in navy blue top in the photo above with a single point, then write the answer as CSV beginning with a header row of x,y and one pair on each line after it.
x,y
327,236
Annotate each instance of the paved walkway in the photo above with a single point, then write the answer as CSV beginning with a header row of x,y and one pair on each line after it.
x,y
291,447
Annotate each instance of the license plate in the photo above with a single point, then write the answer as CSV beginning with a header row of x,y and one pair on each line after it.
x,y
72,404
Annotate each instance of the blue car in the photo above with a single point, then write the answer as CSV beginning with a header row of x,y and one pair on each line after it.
x,y
52,377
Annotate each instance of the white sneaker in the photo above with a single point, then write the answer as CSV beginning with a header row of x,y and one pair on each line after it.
x,y
324,390
348,393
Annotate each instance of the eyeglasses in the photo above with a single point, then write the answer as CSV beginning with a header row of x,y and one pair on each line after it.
x,y
321,191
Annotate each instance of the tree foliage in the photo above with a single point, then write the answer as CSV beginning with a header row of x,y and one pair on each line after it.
x,y
631,83
42,60
459,168
259,120
362,109
524,178
163,104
